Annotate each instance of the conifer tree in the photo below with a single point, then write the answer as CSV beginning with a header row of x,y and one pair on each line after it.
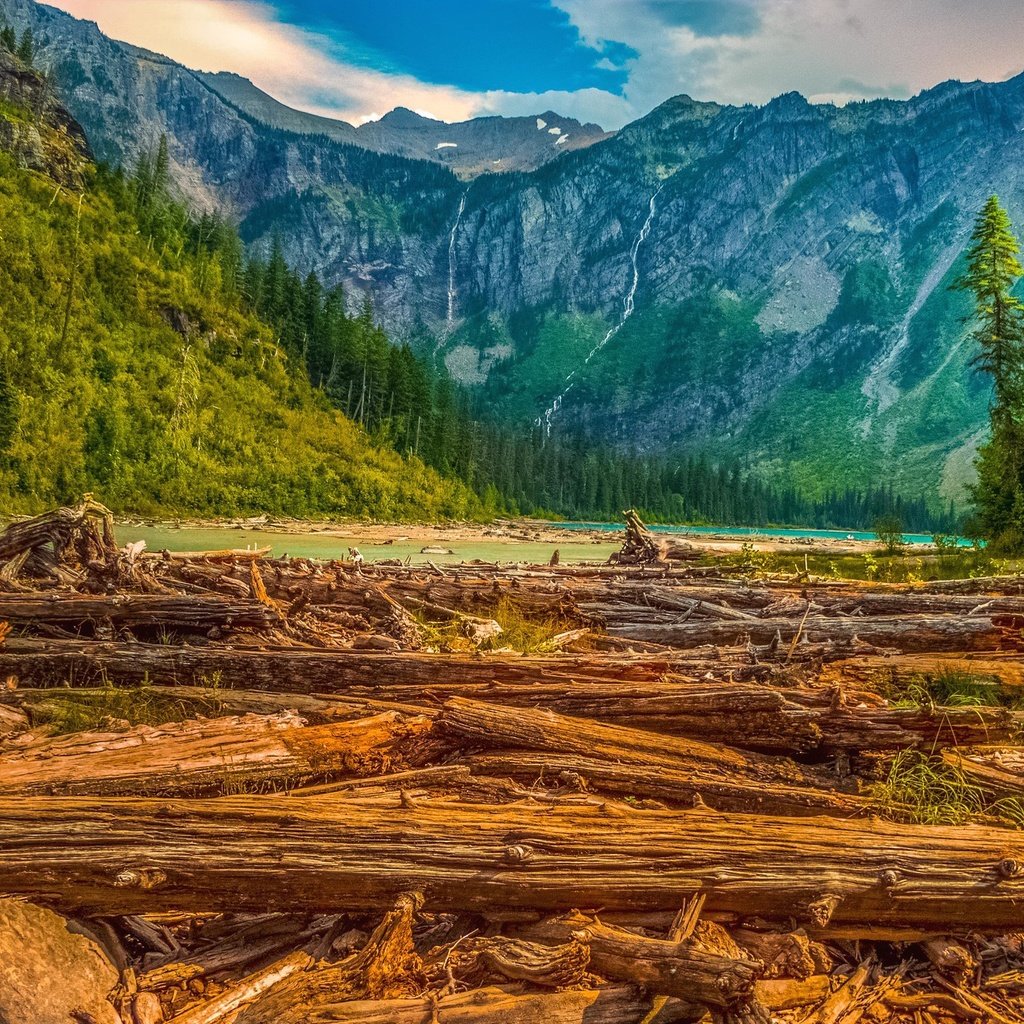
x,y
992,271
27,47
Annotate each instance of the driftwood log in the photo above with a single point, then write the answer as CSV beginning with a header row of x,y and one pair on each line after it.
x,y
208,756
171,610
723,777
130,856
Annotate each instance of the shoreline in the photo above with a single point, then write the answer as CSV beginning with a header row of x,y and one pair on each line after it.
x,y
505,531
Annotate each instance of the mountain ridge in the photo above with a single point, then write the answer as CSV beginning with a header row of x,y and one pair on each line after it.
x,y
790,305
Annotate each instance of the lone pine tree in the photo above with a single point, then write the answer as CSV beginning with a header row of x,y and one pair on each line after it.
x,y
992,271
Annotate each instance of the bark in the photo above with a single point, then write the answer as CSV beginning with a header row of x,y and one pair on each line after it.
x,y
208,756
172,611
683,969
128,856
733,778
616,1005
905,633
400,675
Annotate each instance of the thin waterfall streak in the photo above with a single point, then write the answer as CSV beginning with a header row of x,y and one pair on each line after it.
x,y
627,312
452,264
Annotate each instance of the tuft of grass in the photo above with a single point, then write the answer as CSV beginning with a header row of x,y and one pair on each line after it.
x,y
71,711
954,687
519,632
925,790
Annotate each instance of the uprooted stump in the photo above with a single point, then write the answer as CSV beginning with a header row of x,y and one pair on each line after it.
x,y
639,547
74,545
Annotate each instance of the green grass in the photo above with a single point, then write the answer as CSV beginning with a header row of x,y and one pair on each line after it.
x,y
519,632
71,711
879,566
924,790
953,688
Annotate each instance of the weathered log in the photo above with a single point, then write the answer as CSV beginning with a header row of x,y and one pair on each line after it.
x,y
996,769
724,777
134,610
216,755
190,701
903,633
747,715
684,969
871,669
37,662
499,1005
122,856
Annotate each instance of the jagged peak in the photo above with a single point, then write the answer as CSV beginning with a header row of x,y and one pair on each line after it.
x,y
403,117
788,103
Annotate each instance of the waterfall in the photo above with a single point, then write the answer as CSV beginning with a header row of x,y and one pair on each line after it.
x,y
627,312
452,263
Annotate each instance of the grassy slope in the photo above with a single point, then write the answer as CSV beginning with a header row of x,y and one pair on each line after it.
x,y
209,419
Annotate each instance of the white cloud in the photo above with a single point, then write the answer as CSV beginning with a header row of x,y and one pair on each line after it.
x,y
830,50
822,48
292,64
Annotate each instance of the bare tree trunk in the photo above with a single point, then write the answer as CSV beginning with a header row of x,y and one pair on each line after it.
x,y
125,856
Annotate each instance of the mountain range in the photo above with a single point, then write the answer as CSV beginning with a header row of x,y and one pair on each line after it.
x,y
763,282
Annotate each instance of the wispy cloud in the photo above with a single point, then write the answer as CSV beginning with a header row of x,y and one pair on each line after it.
x,y
297,66
733,51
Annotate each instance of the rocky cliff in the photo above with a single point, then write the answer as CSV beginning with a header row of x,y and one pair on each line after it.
x,y
768,281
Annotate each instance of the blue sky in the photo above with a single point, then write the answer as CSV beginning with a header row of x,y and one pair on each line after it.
x,y
608,61
512,45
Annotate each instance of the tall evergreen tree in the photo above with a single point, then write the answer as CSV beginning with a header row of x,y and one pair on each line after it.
x,y
27,47
992,271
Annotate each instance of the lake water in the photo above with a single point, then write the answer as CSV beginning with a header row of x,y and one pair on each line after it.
x,y
330,546
316,545
764,532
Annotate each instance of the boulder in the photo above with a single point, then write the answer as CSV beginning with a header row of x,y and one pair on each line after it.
x,y
48,973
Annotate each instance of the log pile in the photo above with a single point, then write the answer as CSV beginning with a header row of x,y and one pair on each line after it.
x,y
278,791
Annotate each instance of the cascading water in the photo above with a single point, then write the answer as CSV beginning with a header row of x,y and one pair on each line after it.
x,y
453,295
627,312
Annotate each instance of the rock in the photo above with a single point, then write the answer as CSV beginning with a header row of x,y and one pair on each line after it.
x,y
49,974
146,1009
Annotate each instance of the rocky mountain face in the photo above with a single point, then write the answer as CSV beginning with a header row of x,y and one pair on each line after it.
x,y
770,282
469,148
36,129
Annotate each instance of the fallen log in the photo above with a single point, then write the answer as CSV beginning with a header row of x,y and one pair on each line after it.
x,y
997,770
500,1005
1003,668
903,633
125,856
38,662
684,969
208,756
722,776
746,715
170,610
661,782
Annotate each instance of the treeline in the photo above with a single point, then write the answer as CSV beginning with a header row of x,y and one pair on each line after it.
x,y
405,401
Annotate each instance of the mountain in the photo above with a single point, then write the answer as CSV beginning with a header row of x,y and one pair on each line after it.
x,y
763,282
130,366
469,148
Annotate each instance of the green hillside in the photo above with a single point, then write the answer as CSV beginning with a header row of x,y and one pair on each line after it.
x,y
129,368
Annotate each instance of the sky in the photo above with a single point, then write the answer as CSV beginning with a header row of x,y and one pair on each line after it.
x,y
608,61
